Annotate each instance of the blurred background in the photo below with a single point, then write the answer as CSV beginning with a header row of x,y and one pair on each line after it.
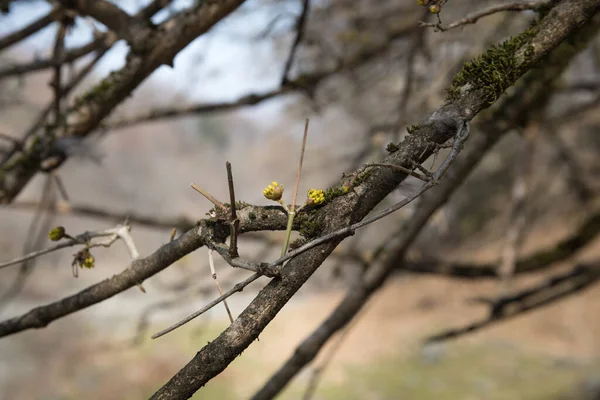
x,y
364,70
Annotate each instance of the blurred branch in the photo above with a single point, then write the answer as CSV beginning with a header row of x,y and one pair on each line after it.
x,y
181,223
39,122
36,237
171,112
575,171
106,13
523,174
102,42
59,48
161,46
152,8
302,83
29,30
300,26
563,250
474,17
533,298
574,113
82,239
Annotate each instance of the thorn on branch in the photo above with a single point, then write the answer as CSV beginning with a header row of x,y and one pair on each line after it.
x,y
234,221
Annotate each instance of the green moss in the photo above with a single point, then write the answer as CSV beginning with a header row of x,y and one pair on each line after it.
x,y
412,129
252,216
97,91
392,147
240,205
311,227
495,70
333,192
264,216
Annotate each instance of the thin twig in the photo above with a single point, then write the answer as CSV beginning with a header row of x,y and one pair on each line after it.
x,y
237,288
401,169
238,262
474,17
213,273
299,174
292,212
81,239
59,49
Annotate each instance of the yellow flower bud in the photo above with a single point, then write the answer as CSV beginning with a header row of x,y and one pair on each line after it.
x,y
274,191
315,196
423,2
434,8
57,233
89,261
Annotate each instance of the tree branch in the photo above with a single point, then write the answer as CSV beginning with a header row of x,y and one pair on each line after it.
x,y
533,298
272,218
29,30
300,26
106,13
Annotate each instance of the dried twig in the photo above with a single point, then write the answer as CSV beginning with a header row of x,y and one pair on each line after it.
x,y
292,211
120,231
474,17
213,273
